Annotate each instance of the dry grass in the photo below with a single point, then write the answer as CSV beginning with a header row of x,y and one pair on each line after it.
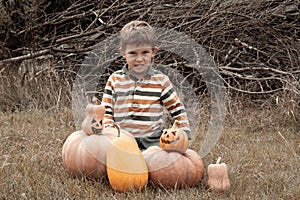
x,y
260,143
34,84
261,150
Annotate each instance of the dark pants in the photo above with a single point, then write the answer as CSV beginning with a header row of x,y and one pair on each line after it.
x,y
144,143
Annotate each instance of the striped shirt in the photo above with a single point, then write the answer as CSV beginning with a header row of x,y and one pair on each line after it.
x,y
137,105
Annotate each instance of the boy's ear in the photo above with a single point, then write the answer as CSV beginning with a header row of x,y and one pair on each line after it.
x,y
154,50
122,52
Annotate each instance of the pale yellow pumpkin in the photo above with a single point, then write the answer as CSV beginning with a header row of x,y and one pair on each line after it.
x,y
126,167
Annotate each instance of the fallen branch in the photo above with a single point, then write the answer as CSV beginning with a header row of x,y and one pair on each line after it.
x,y
25,57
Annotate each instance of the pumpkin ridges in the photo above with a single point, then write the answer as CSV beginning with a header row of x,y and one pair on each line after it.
x,y
93,160
153,157
155,167
166,166
86,154
87,159
197,162
65,150
172,169
188,173
193,176
126,167
178,175
68,154
95,152
79,162
84,151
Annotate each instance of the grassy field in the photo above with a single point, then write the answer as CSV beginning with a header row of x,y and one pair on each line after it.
x,y
260,147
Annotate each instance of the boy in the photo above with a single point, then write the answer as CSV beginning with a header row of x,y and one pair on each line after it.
x,y
134,96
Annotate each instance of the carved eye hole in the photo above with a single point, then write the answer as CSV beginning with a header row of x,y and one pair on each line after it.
x,y
174,139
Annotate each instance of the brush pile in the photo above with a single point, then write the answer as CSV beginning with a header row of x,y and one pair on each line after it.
x,y
255,44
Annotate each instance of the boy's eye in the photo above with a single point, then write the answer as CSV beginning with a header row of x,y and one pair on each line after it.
x,y
136,53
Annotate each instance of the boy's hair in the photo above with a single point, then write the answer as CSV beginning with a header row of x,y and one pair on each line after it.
x,y
137,33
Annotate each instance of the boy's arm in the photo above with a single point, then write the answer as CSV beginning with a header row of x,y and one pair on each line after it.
x,y
107,101
176,108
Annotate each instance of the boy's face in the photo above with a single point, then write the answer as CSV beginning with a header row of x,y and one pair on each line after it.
x,y
138,58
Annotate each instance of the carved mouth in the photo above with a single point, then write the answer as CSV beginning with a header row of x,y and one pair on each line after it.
x,y
96,130
170,142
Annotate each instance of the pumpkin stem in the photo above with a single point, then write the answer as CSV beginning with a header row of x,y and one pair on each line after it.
x,y
117,126
218,160
95,100
176,124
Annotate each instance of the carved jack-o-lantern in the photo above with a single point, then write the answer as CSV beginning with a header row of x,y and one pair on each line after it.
x,y
92,124
174,139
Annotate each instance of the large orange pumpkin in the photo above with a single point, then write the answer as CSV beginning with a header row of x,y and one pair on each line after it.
x,y
85,154
84,151
173,169
126,167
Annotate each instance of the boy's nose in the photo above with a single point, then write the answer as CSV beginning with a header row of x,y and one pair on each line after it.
x,y
139,58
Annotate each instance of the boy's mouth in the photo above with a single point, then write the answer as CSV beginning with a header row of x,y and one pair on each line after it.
x,y
139,66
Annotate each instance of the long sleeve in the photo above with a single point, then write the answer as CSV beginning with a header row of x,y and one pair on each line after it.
x,y
137,105
107,101
176,108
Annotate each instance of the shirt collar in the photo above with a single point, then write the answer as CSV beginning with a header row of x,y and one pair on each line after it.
x,y
127,72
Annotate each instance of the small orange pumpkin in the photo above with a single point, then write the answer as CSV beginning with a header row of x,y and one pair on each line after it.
x,y
174,139
92,122
218,176
173,169
126,166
